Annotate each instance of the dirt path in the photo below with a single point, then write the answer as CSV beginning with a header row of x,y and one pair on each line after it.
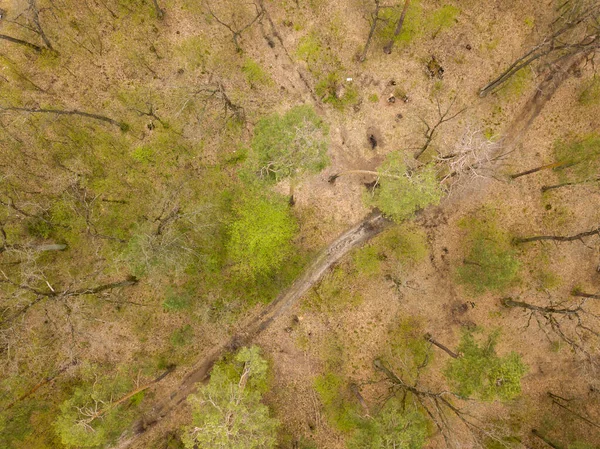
x,y
359,234
371,226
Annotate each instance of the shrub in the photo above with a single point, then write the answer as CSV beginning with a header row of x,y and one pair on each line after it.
x,y
340,411
288,145
481,372
255,73
395,426
228,412
401,192
490,262
590,94
260,235
579,158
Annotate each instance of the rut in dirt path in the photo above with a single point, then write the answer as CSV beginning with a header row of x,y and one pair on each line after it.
x,y
371,226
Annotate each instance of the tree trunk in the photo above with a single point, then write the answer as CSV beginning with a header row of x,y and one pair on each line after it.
x,y
123,126
37,48
545,440
557,238
388,48
537,169
447,350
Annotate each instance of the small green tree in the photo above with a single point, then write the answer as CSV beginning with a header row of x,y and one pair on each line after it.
x,y
228,412
403,192
288,145
91,417
490,262
481,372
260,236
396,426
579,158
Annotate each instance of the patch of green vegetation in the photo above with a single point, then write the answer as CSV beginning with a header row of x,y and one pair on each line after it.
x,y
309,49
39,227
176,301
407,243
228,411
529,22
396,425
182,336
260,235
480,372
490,261
407,349
91,403
516,84
402,193
292,144
373,98
193,52
442,18
255,73
340,410
579,158
335,292
145,155
367,260
334,91
590,92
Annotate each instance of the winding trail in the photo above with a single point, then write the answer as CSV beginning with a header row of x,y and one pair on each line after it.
x,y
371,226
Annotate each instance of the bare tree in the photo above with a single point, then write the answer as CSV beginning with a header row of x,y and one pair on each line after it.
x,y
122,125
576,325
236,29
431,130
375,19
558,238
576,30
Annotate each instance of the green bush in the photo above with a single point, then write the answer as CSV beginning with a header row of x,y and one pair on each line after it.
x,y
396,425
228,412
255,73
88,419
490,262
260,237
579,158
340,411
289,145
590,94
401,193
482,373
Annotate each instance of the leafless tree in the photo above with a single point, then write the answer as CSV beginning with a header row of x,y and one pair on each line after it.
x,y
575,31
577,325
558,238
374,19
431,130
473,156
235,28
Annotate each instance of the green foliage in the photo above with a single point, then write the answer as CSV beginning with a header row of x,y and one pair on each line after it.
x,y
310,49
407,243
443,18
332,90
87,419
579,158
260,235
396,425
228,413
255,73
182,336
590,93
335,292
407,349
367,260
341,412
176,301
482,373
193,52
289,145
39,227
402,193
373,98
144,155
516,84
490,262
